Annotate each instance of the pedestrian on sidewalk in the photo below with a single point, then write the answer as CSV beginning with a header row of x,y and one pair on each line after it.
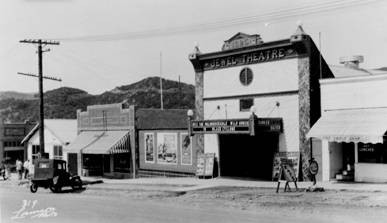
x,y
3,170
19,168
26,166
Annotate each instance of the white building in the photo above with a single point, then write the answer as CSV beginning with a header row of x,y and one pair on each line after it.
x,y
58,133
349,139
278,82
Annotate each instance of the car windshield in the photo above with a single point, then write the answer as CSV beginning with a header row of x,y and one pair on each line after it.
x,y
43,165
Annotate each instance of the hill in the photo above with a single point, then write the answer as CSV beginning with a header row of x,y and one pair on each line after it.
x,y
63,102
17,95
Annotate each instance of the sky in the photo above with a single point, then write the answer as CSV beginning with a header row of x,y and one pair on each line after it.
x,y
105,44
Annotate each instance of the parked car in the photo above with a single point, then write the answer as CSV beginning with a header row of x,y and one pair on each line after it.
x,y
52,173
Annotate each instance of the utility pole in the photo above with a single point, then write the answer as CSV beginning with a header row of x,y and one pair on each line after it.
x,y
41,43
180,95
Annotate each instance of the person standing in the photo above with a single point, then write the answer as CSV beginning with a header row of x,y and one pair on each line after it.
x,y
26,167
3,170
19,168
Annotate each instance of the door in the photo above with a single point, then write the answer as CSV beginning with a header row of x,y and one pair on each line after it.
x,y
72,159
247,156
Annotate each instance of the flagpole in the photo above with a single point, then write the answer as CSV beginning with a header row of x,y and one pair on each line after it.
x,y
161,82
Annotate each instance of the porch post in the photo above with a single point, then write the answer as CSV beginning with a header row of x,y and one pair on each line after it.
x,y
356,153
325,160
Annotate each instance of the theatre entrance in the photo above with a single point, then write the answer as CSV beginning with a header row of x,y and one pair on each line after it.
x,y
246,156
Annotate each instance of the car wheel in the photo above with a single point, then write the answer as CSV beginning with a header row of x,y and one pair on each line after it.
x,y
53,189
33,188
77,184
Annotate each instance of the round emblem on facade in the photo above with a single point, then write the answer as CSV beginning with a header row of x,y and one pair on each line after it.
x,y
246,76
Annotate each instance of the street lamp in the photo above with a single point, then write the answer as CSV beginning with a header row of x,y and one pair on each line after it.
x,y
190,113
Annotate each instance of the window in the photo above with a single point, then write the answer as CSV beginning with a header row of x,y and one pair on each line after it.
x,y
11,144
35,151
372,153
121,162
245,104
58,152
246,76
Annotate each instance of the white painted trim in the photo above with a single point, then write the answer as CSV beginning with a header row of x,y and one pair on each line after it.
x,y
352,79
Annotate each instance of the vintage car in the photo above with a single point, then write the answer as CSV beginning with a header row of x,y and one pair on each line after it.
x,y
52,173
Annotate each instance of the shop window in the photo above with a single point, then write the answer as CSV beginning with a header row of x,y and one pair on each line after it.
x,y
245,104
58,152
372,153
121,162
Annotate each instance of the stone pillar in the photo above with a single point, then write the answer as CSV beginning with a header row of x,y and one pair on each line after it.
x,y
304,114
199,114
198,139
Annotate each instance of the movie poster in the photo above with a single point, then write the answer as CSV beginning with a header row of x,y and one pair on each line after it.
x,y
289,158
149,148
167,148
186,149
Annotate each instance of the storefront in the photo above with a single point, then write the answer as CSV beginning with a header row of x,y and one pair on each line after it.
x,y
165,147
256,101
120,141
351,134
105,142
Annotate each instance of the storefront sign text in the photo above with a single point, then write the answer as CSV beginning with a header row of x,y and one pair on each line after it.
x,y
240,126
248,58
221,126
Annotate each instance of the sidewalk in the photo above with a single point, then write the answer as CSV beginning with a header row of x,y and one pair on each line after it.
x,y
183,184
189,184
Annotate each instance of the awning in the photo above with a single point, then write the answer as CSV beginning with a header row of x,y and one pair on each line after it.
x,y
100,142
355,125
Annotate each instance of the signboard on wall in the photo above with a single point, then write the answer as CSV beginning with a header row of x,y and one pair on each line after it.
x,y
166,148
205,165
222,126
289,159
14,131
186,149
237,126
258,56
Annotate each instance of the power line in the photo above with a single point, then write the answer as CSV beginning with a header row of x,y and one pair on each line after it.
x,y
212,26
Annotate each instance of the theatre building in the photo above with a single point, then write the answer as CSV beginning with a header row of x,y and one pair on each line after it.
x,y
351,133
121,141
256,101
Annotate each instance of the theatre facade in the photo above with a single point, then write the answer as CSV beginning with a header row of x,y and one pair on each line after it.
x,y
256,101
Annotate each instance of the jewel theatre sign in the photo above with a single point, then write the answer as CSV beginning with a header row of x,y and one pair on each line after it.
x,y
249,58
